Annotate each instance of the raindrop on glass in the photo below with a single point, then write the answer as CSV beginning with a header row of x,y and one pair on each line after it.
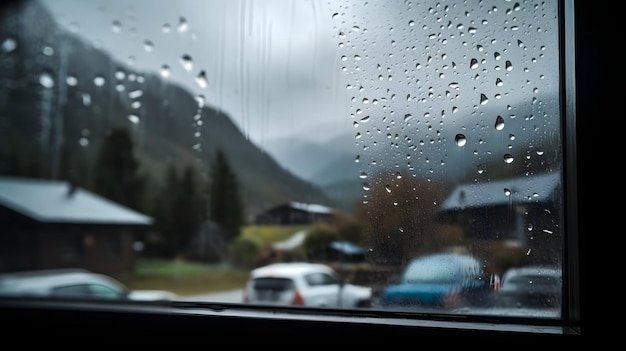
x,y
499,123
71,81
509,66
99,81
117,26
148,45
201,79
46,80
474,63
187,62
165,71
48,51
182,25
508,158
8,45
134,119
135,93
200,99
507,192
483,99
460,140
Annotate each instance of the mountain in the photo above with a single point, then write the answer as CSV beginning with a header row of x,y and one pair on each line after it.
x,y
61,95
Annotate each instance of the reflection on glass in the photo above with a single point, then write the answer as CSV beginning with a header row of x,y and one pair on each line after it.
x,y
179,145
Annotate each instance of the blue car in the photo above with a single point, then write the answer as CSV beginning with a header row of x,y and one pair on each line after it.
x,y
447,280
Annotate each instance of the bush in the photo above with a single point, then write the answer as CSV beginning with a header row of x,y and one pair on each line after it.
x,y
244,252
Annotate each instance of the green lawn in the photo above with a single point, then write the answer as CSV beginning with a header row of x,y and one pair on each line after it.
x,y
188,278
184,278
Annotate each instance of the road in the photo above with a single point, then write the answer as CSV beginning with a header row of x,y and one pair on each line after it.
x,y
231,296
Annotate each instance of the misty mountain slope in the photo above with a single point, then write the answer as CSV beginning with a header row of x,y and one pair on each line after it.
x,y
68,94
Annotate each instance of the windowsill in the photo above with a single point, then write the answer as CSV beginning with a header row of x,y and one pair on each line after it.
x,y
137,318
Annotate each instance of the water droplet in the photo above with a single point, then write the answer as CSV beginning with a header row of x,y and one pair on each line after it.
x,y
165,71
183,25
499,123
187,62
148,45
71,81
507,192
387,188
48,51
117,26
201,79
200,99
134,119
83,142
460,140
508,158
99,81
46,80
499,82
363,175
411,23
9,44
408,117
473,63
166,28
509,66
483,99
135,93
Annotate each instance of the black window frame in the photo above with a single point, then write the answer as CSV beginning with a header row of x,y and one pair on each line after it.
x,y
179,323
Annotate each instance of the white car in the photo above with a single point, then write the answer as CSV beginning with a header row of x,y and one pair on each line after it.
x,y
304,284
73,283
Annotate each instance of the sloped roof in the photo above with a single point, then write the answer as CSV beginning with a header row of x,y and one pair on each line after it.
x,y
311,208
529,189
51,201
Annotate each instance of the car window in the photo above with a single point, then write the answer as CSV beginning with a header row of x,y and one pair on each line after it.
x,y
320,278
178,145
87,291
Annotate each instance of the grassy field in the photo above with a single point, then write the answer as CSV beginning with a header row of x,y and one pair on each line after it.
x,y
188,278
184,278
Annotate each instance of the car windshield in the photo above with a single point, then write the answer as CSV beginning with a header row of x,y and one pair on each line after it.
x,y
439,271
176,146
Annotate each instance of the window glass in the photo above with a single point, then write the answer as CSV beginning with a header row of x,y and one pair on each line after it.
x,y
316,279
203,139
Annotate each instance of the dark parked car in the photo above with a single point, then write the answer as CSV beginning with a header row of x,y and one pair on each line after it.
x,y
447,280
532,287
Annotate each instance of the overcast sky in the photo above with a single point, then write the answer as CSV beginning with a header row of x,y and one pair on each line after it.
x,y
389,72
272,65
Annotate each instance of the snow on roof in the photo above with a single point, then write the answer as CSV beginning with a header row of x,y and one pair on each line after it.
x,y
311,208
51,201
537,188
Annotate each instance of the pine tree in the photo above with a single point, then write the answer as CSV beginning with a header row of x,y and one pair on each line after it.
x,y
116,174
225,204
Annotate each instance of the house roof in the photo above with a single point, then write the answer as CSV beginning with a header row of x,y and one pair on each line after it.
x,y
529,189
51,201
311,208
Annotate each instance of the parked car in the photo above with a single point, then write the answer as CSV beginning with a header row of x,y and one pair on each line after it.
x,y
304,284
530,287
447,280
73,284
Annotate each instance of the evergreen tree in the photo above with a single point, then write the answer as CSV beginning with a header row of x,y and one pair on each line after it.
x,y
116,170
225,204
